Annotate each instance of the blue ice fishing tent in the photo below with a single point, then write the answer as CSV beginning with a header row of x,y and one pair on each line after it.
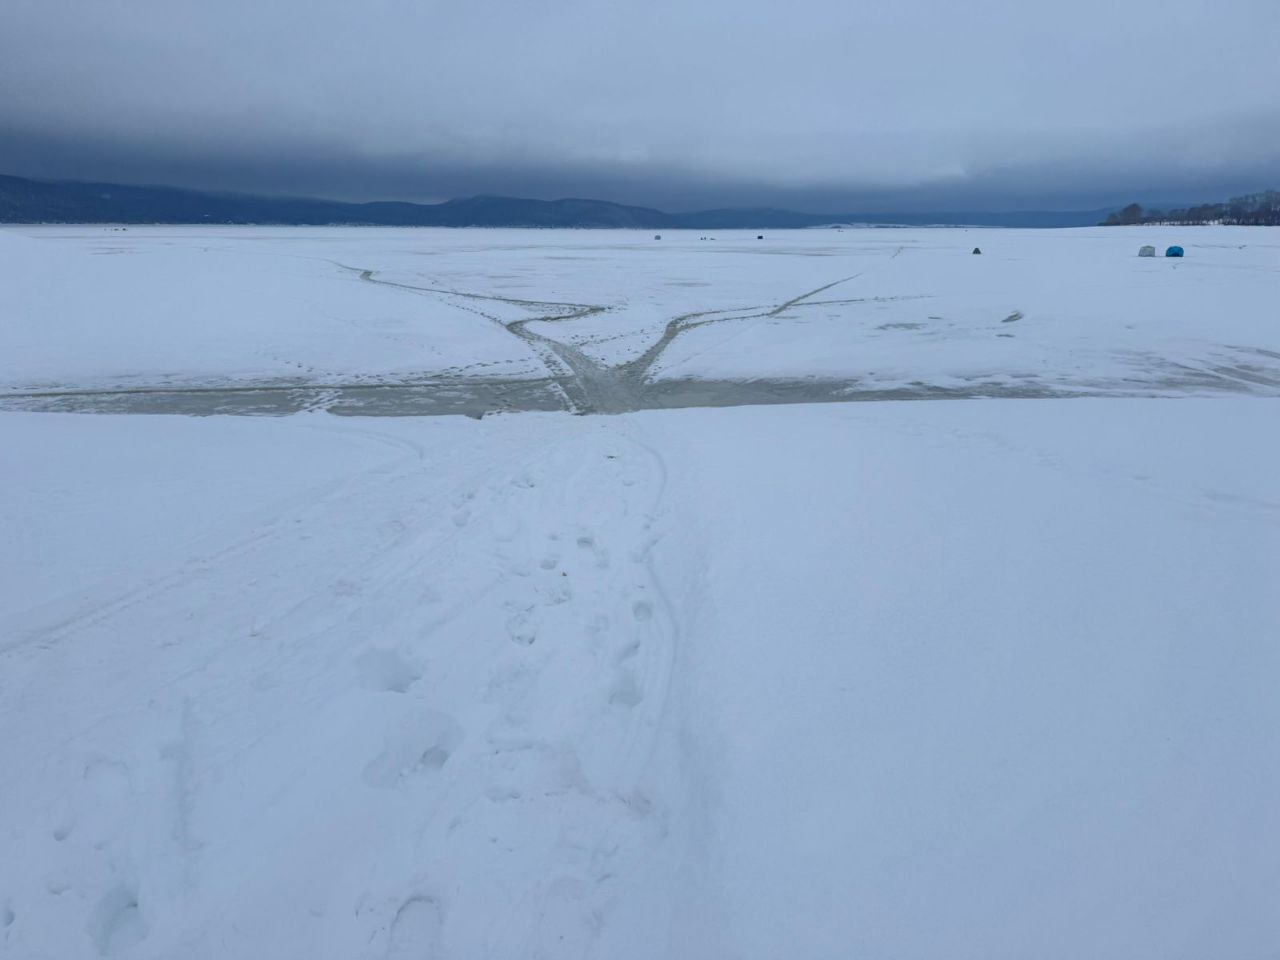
x,y
1173,252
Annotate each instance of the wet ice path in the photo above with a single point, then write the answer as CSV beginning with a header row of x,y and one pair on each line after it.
x,y
577,377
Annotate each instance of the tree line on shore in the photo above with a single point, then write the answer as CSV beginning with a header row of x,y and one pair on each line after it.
x,y
1253,210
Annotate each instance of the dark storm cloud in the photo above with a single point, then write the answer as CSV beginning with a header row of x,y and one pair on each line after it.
x,y
832,105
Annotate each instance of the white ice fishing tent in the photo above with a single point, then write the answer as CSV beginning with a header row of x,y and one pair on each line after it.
x,y
1147,252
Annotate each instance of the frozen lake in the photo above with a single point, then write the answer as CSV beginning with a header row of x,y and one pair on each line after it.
x,y
989,676
411,322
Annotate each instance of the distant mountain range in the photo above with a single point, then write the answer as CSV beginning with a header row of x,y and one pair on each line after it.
x,y
61,201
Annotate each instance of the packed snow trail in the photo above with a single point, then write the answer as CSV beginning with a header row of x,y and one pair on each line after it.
x,y
588,386
724,683
475,689
594,387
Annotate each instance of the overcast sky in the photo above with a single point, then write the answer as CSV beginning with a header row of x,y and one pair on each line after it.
x,y
819,104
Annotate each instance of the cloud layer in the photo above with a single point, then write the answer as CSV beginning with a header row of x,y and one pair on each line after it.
x,y
672,103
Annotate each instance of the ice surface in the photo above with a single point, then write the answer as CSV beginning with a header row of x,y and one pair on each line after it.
x,y
88,307
200,320
982,678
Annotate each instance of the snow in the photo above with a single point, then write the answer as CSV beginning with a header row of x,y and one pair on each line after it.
x,y
982,678
1069,308
1051,311
141,308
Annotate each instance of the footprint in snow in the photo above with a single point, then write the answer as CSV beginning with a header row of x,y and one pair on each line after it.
x,y
511,684
415,930
386,671
418,747
588,542
568,925
557,593
505,524
626,690
108,778
116,923
519,626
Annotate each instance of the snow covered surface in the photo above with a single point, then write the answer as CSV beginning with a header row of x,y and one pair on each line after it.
x,y
1057,308
1039,312
91,307
990,678
981,678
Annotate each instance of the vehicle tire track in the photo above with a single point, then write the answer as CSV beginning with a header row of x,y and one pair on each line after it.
x,y
638,370
590,387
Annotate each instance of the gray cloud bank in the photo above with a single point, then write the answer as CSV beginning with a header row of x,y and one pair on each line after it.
x,y
810,104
